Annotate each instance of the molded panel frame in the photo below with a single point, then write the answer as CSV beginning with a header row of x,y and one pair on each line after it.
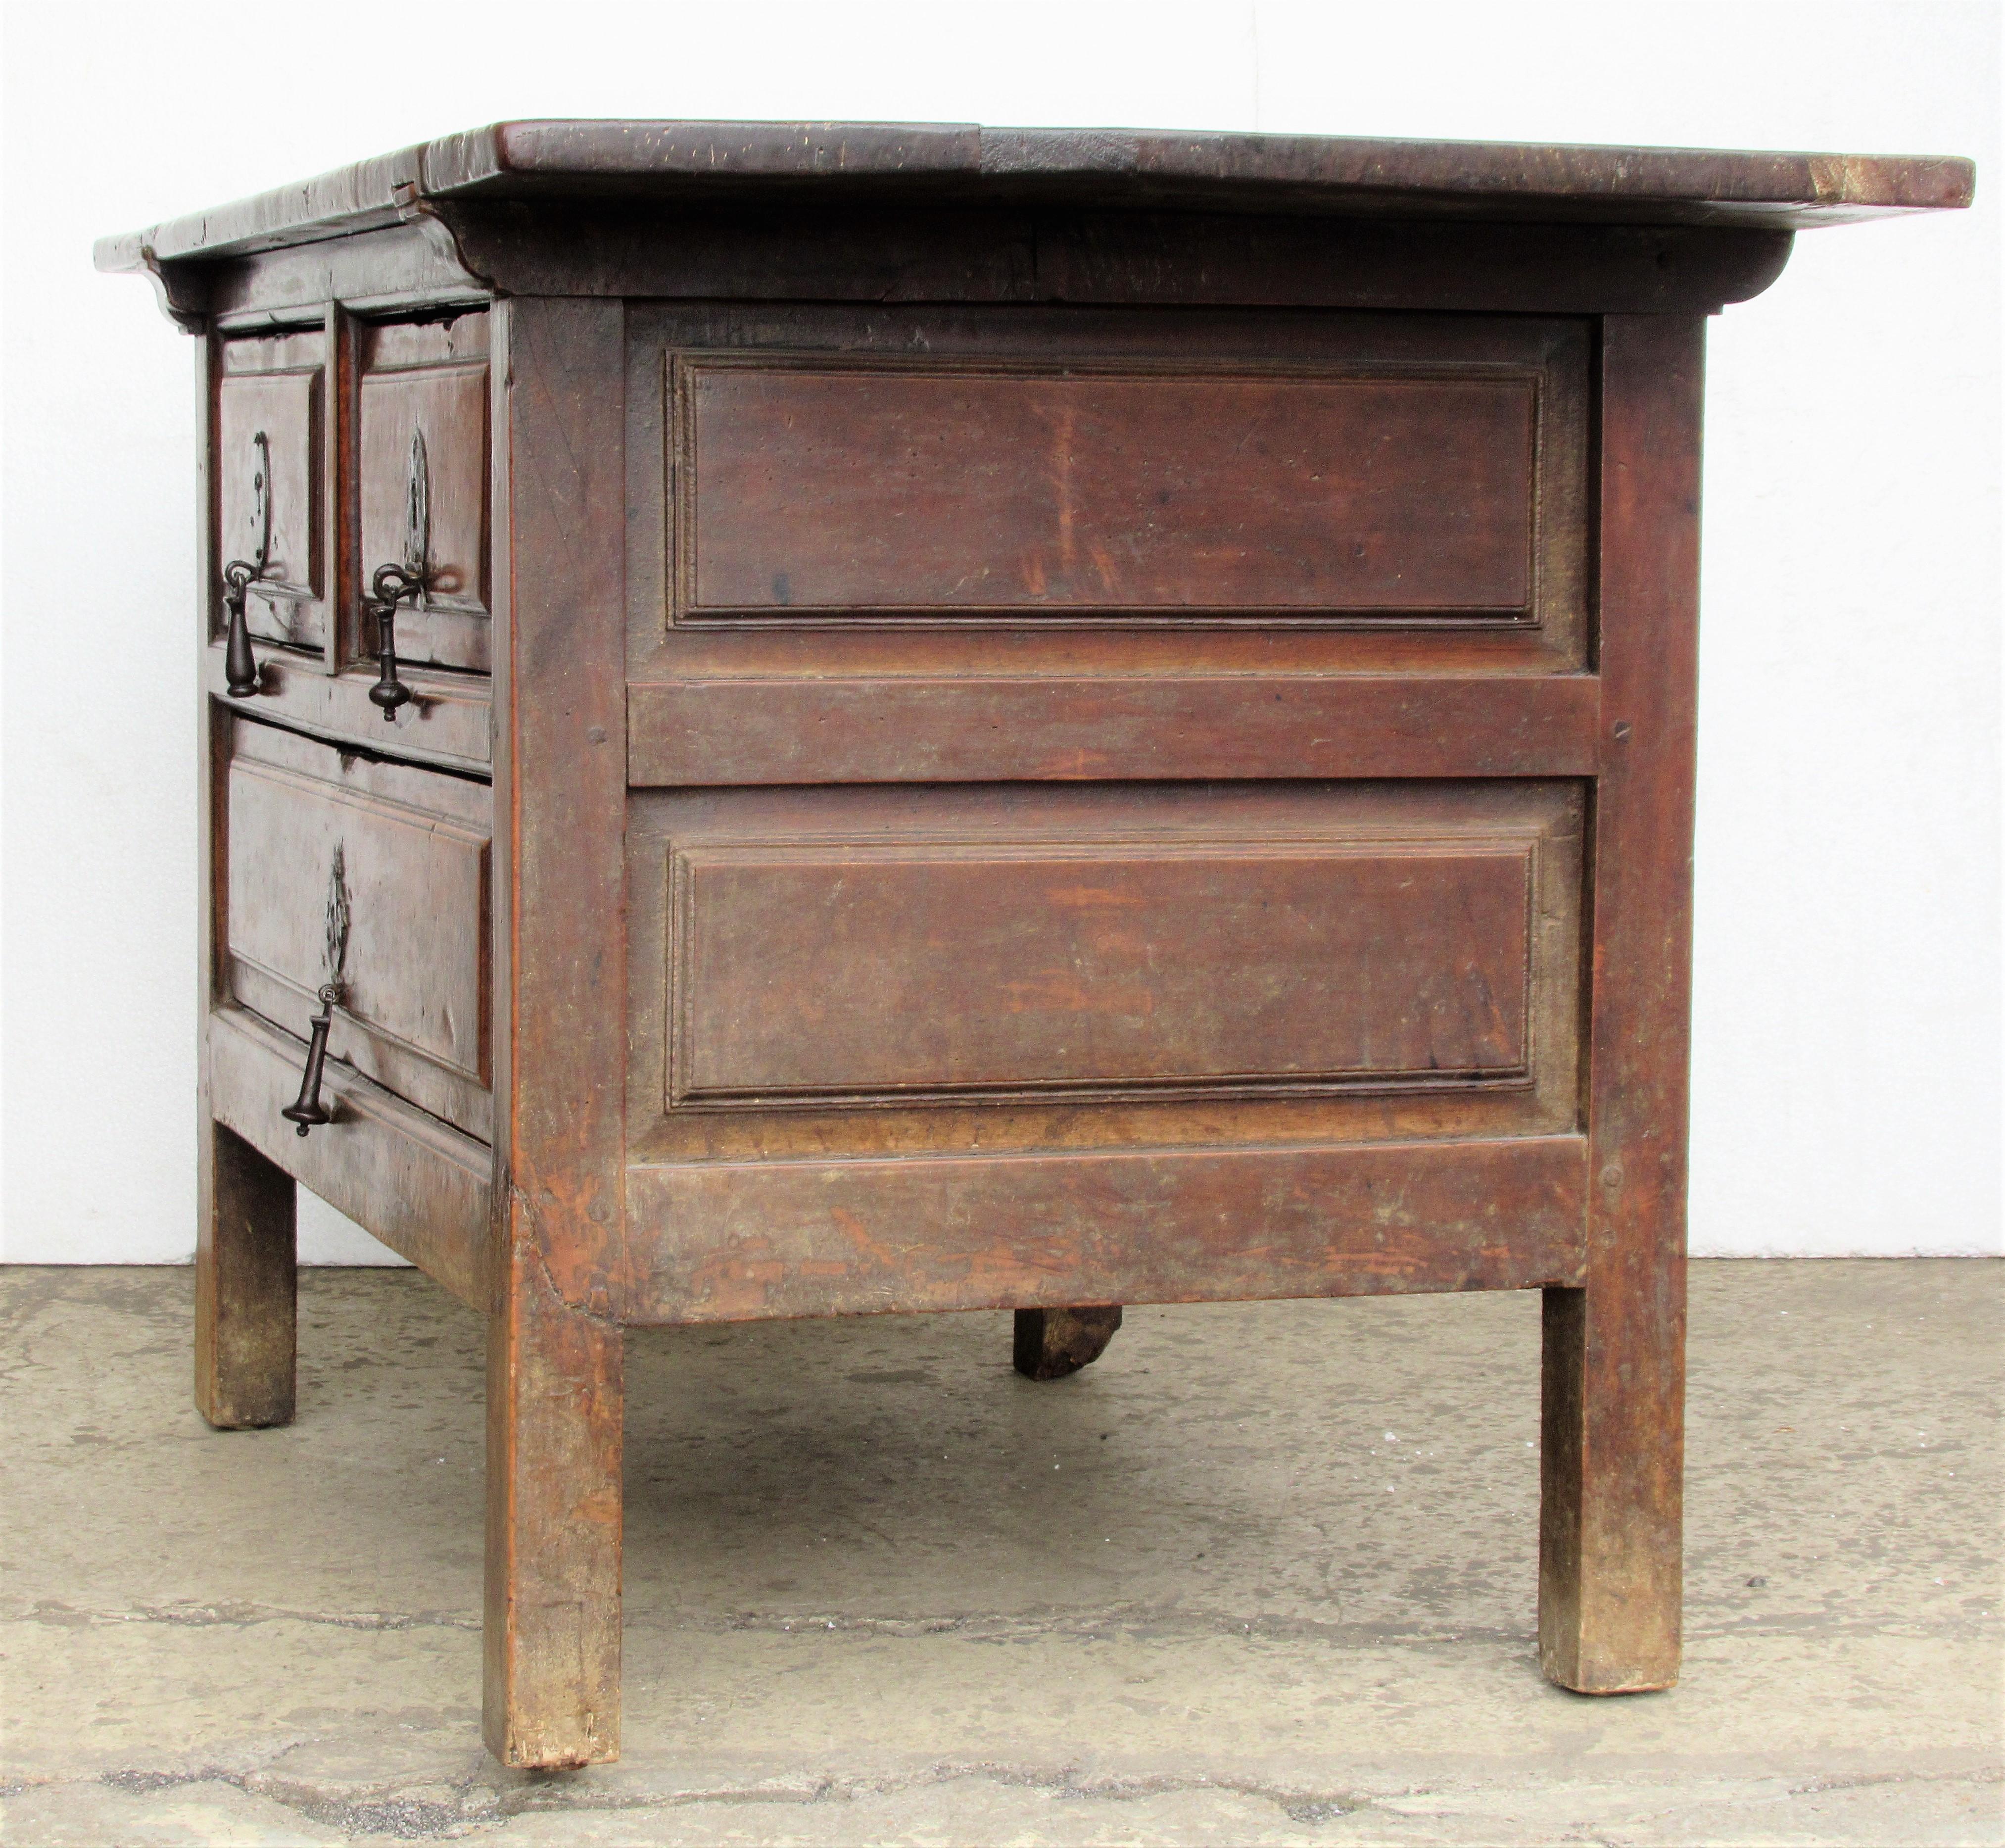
x,y
1545,819
428,377
713,997
668,643
415,1015
689,370
279,383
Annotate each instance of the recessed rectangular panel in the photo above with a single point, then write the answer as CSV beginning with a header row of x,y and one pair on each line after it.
x,y
423,486
377,874
268,477
951,489
984,968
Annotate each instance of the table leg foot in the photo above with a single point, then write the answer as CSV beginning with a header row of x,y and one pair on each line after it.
x,y
1610,1589
551,1634
246,1274
1051,1343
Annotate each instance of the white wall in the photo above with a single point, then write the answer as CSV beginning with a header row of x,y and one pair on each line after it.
x,y
1846,1077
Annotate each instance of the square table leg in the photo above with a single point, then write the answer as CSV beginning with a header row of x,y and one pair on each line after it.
x,y
555,1406
1610,1579
246,1273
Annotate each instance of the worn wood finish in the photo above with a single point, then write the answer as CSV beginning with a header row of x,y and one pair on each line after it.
x,y
1053,1343
412,266
245,1286
741,1241
553,1365
1127,966
1613,1459
916,971
271,479
426,384
1073,719
978,966
1107,729
740,164
977,254
446,723
402,854
420,1186
924,490
1113,551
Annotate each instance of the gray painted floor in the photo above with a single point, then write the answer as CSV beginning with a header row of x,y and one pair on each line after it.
x,y
1263,1575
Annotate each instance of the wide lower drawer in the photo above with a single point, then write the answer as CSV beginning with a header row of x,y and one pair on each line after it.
x,y
374,877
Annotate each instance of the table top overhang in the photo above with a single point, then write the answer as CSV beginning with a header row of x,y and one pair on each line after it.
x,y
712,165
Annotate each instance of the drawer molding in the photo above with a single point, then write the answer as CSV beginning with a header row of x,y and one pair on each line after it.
x,y
920,967
951,490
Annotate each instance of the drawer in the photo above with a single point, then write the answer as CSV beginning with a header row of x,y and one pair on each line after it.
x,y
333,864
421,483
269,481
1400,473
1208,963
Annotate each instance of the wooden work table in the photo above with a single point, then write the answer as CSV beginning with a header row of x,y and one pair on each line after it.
x,y
811,720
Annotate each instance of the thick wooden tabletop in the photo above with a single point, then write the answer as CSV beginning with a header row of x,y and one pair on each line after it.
x,y
718,163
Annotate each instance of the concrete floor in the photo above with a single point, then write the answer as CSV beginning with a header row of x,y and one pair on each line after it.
x,y
1263,1575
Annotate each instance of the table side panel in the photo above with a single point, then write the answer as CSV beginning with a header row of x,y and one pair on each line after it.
x,y
941,490
964,547
869,971
870,974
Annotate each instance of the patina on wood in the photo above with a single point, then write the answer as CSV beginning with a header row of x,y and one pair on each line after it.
x,y
1613,1457
1008,719
554,1377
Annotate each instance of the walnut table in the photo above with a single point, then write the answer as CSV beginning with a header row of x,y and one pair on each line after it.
x,y
816,720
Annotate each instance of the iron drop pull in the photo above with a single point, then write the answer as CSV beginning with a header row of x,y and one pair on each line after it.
x,y
307,1109
390,586
240,665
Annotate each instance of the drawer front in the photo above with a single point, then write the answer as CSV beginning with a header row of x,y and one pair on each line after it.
x,y
422,417
269,474
380,868
1412,476
1178,965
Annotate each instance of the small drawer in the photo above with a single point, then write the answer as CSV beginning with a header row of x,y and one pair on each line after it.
x,y
375,875
268,480
422,483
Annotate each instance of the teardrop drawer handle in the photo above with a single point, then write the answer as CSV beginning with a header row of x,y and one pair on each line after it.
x,y
240,665
390,585
307,1109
